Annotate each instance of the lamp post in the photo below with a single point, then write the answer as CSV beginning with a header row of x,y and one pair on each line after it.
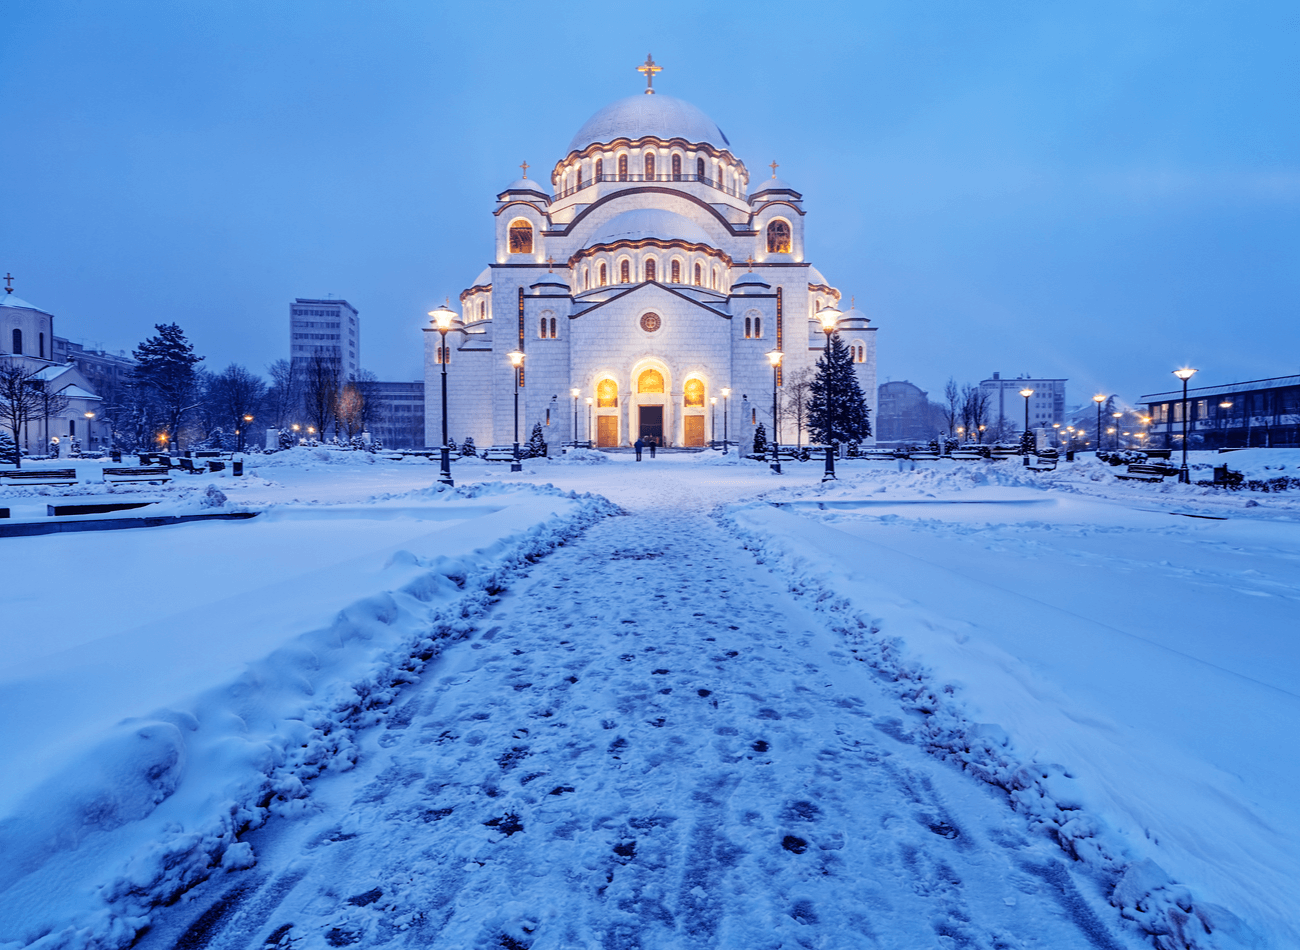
x,y
1117,416
575,393
516,358
1099,399
589,404
829,318
1186,373
726,406
443,319
1226,404
1024,438
89,416
774,357
713,419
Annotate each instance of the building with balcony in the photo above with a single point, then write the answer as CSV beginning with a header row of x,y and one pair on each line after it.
x,y
1260,412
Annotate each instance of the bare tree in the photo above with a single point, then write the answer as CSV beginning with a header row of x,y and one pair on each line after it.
x,y
952,405
974,410
234,397
24,398
367,386
798,390
284,397
321,390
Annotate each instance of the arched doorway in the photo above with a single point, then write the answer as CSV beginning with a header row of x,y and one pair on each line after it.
x,y
606,413
650,406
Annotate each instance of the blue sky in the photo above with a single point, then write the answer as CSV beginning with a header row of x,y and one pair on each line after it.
x,y
1097,191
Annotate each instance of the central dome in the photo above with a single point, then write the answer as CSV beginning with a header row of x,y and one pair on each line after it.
x,y
661,116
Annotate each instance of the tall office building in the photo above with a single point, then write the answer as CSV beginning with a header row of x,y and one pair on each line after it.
x,y
329,327
1006,406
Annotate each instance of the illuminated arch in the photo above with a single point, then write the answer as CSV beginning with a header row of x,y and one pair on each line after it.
x,y
778,237
693,394
521,237
606,394
650,381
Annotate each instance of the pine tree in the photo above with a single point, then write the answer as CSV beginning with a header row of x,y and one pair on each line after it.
x,y
536,443
166,373
760,441
837,384
8,448
468,449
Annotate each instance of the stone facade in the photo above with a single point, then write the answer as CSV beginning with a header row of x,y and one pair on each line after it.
x,y
649,253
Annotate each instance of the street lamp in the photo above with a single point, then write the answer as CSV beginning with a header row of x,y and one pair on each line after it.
x,y
1184,476
774,357
713,419
575,393
516,358
1117,416
1099,399
829,318
589,402
726,404
1024,438
443,320
89,416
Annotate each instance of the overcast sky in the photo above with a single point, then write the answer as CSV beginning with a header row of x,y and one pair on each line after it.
x,y
1096,191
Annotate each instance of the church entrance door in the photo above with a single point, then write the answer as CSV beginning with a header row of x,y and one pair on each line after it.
x,y
694,430
606,432
652,424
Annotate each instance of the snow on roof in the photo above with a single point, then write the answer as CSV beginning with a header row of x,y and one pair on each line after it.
x,y
637,116
650,223
483,279
52,372
76,392
815,277
527,184
9,300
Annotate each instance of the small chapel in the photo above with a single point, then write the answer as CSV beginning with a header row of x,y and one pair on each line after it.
x,y
645,288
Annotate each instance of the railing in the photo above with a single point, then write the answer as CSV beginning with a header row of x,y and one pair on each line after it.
x,y
588,182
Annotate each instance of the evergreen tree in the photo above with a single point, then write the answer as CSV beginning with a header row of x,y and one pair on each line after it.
x,y
8,448
836,385
468,449
760,441
536,443
165,374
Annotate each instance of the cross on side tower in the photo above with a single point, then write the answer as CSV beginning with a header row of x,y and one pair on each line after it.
x,y
649,68
9,283
524,166
774,166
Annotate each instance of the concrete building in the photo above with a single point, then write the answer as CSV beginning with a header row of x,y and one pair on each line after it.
x,y
1259,412
650,275
397,417
1007,406
905,414
327,327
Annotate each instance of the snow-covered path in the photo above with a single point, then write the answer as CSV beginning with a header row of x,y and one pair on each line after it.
x,y
646,744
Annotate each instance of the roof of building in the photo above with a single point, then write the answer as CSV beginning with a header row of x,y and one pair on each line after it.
x,y
854,315
661,116
773,184
9,300
53,371
527,185
1250,385
649,223
76,392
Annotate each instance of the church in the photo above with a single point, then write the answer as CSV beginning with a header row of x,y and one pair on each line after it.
x,y
645,288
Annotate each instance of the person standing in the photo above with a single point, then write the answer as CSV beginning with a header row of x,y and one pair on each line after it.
x,y
653,442
639,445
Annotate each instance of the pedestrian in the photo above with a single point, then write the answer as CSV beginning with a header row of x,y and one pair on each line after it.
x,y
653,442
639,445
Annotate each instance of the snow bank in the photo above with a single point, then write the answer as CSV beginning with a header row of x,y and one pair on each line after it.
x,y
135,758
1094,735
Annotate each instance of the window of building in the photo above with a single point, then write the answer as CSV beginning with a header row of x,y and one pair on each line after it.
x,y
677,272
717,279
624,273
18,342
699,279
650,381
677,168
649,166
778,237
586,278
622,168
606,394
604,275
521,237
554,329
699,169
482,309
693,394
749,328
758,327
41,344
578,174
650,268
541,329
600,169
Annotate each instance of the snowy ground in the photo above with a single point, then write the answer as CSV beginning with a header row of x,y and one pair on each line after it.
x,y
646,740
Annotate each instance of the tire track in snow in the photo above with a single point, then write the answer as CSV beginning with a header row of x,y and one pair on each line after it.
x,y
649,746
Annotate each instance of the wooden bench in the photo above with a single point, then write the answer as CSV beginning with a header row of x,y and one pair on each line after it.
x,y
37,476
500,453
156,474
1142,472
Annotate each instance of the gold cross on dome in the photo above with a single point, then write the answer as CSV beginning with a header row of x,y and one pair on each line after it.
x,y
750,261
550,265
9,283
649,68
774,166
524,166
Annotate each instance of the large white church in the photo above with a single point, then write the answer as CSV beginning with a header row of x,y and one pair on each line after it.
x,y
650,278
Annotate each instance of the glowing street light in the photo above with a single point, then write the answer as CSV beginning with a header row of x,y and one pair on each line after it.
x,y
575,393
444,318
516,358
1186,373
774,357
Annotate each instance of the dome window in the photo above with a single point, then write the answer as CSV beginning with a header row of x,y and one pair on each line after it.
x,y
699,272
521,237
677,272
677,168
778,237
649,166
622,168
18,342
482,309
600,169
604,275
693,394
624,273
699,169
650,268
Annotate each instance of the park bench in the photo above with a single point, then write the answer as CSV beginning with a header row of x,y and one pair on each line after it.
x,y
500,453
63,511
1038,463
1145,472
36,476
142,474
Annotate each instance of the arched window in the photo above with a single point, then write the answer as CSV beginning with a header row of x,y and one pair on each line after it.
x,y
482,309
650,381
521,237
18,342
693,394
578,174
622,168
554,328
41,343
677,168
606,394
717,281
541,330
604,275
600,169
778,237
677,272
758,326
650,268
586,278
699,169
624,273
649,166
749,328
699,278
